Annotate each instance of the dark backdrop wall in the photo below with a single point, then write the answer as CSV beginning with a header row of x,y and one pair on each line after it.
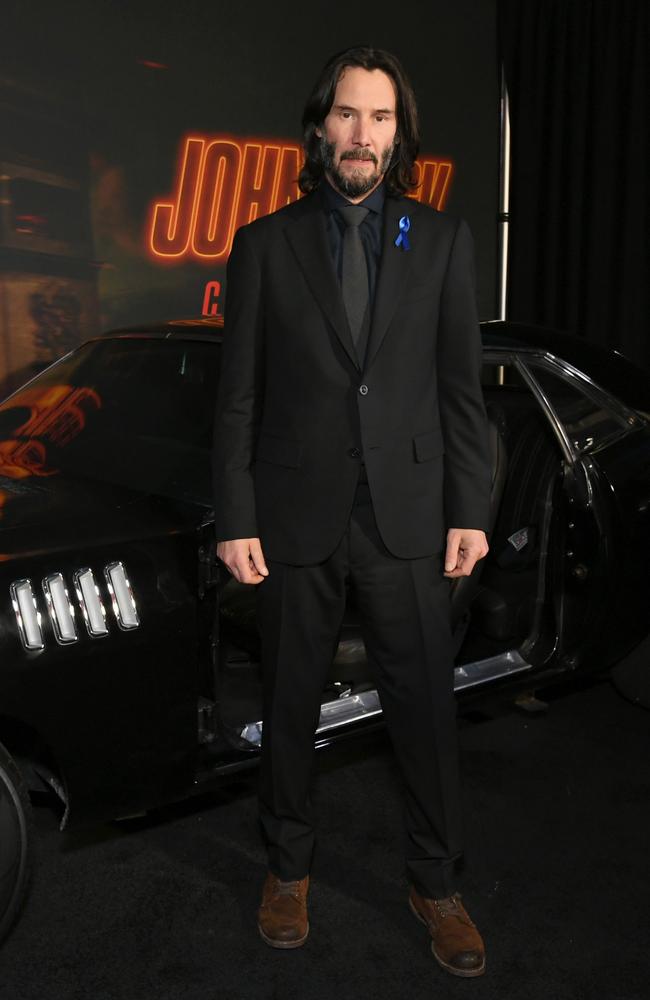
x,y
135,137
578,73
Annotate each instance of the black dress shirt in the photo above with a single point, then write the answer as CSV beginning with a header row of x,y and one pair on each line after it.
x,y
370,229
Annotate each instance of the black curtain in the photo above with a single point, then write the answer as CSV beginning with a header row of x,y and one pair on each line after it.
x,y
578,75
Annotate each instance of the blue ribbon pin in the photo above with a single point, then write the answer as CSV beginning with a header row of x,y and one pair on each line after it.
x,y
403,240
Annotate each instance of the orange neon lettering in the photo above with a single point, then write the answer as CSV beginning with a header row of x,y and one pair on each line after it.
x,y
434,177
286,187
256,183
216,201
223,184
211,298
172,223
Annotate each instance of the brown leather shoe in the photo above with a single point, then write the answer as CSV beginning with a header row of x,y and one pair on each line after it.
x,y
455,941
282,917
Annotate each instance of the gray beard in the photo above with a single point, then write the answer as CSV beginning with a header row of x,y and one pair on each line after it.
x,y
350,185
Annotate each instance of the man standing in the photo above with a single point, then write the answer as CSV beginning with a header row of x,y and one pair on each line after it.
x,y
351,448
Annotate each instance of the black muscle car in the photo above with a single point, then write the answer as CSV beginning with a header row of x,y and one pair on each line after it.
x,y
129,674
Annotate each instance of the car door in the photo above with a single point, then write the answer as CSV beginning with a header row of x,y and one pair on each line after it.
x,y
585,527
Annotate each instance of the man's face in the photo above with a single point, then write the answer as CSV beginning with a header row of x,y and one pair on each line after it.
x,y
358,136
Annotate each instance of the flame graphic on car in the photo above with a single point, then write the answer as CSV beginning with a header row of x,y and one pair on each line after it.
x,y
57,414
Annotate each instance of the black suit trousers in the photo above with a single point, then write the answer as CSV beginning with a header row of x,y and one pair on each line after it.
x,y
404,611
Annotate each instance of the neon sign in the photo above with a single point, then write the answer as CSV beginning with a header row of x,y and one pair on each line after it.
x,y
223,183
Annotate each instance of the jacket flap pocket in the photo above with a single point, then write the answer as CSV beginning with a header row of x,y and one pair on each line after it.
x,y
428,445
279,451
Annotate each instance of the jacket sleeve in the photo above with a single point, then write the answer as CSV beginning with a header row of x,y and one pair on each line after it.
x,y
239,395
467,472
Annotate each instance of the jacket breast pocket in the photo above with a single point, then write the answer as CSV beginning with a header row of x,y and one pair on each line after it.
x,y
428,445
279,451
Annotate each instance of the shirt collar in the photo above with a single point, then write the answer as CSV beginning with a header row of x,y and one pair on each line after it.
x,y
334,199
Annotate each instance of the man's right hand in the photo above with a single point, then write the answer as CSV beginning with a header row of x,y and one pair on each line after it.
x,y
244,559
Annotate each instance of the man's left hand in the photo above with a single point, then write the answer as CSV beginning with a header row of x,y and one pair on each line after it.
x,y
465,546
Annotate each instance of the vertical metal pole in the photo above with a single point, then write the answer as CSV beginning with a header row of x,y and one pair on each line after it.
x,y
503,217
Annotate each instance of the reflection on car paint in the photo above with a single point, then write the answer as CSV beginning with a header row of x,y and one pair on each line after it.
x,y
57,414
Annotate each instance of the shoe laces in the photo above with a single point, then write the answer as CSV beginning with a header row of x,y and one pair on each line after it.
x,y
451,906
287,889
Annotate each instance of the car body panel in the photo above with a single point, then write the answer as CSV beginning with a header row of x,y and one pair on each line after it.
x,y
142,716
118,712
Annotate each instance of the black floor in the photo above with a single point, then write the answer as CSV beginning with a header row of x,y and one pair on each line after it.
x,y
557,879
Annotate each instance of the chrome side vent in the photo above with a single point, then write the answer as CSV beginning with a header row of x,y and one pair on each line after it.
x,y
27,614
60,609
90,602
122,598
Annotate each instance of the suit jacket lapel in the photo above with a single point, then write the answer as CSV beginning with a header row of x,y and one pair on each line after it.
x,y
394,269
308,238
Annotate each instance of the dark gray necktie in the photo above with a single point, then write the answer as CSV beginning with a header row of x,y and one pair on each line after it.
x,y
354,276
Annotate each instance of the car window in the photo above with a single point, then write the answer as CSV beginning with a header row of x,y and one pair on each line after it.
x,y
589,418
136,412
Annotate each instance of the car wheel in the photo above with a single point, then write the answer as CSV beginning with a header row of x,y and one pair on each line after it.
x,y
15,841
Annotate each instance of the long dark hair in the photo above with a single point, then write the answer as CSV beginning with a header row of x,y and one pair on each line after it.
x,y
400,174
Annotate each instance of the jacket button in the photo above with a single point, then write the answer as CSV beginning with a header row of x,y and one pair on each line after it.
x,y
363,389
354,453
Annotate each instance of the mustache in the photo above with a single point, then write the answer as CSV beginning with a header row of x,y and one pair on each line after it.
x,y
359,154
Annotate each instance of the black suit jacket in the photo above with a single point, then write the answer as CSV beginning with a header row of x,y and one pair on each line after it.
x,y
294,409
